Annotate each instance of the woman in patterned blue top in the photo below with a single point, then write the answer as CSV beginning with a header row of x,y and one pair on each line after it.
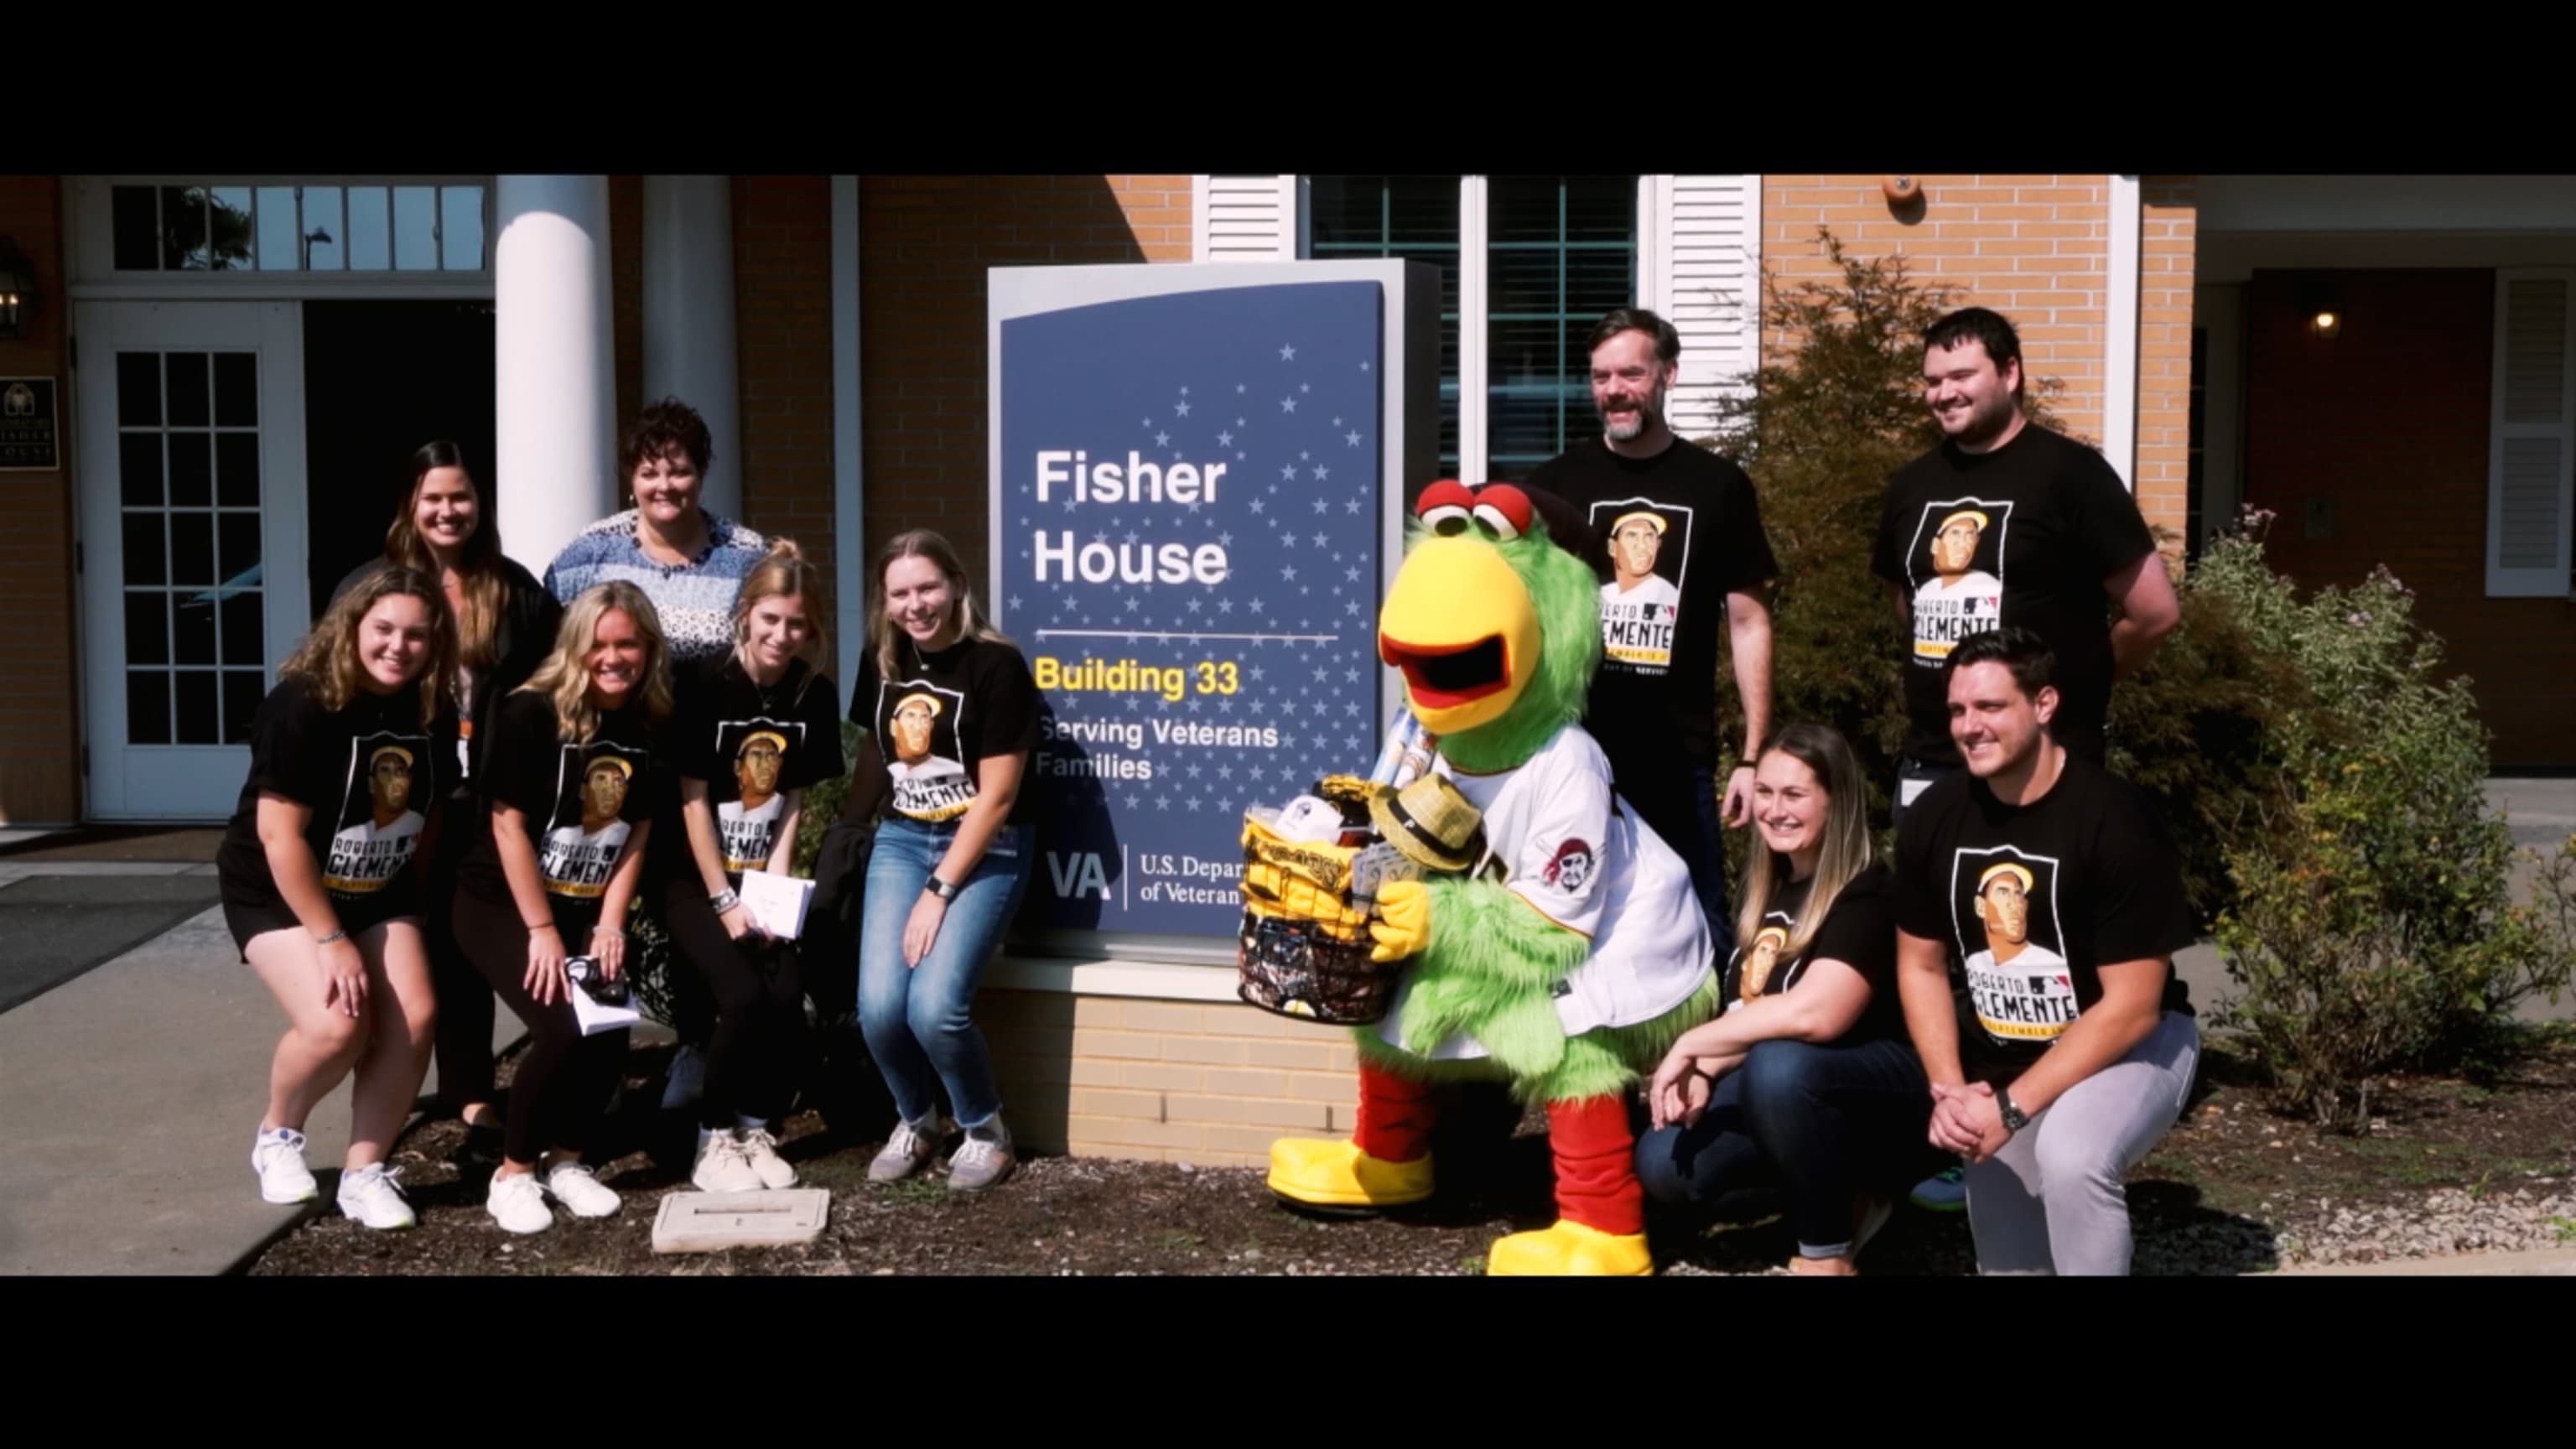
x,y
691,564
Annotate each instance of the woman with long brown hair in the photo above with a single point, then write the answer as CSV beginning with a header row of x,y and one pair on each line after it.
x,y
1806,1080
321,879
504,623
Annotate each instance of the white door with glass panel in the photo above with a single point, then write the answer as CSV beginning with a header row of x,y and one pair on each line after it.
x,y
192,543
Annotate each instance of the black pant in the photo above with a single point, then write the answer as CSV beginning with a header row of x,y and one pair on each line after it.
x,y
465,1008
565,1079
759,1008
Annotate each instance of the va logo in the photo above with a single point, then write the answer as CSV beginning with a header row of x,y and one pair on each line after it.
x,y
1079,874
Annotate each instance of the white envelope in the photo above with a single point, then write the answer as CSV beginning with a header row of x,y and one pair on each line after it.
x,y
777,902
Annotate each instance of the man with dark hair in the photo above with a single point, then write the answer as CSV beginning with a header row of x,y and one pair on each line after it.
x,y
2007,524
2039,904
1676,537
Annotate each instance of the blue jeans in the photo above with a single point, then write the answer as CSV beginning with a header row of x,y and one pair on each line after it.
x,y
1822,1123
1706,858
916,1018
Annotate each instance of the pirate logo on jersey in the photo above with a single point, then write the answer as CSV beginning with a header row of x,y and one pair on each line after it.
x,y
383,804
1955,565
917,721
2003,907
587,831
1641,607
757,751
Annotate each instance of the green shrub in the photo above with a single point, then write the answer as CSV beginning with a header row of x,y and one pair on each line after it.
x,y
2373,925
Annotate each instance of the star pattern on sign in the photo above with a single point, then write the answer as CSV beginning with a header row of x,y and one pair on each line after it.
x,y
1182,407
1162,440
1287,354
1287,405
1225,440
1288,471
1353,437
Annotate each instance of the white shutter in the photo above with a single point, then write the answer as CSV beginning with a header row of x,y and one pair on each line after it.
x,y
1243,218
1702,269
2530,504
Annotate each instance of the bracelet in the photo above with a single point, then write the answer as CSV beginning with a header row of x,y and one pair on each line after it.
x,y
608,931
542,926
340,934
724,900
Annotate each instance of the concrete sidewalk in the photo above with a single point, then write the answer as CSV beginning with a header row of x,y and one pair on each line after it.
x,y
132,1093
2544,1263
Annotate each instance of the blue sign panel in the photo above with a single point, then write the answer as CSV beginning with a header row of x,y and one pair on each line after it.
x,y
1191,511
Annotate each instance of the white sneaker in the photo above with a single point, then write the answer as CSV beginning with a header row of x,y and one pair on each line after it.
x,y
906,1152
687,1082
373,1195
721,1165
760,1150
574,1185
518,1204
277,1155
983,1160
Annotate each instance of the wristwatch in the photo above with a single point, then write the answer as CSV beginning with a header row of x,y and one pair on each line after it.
x,y
2014,1118
941,889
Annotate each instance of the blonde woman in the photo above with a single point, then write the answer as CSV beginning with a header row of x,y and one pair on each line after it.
x,y
757,726
1806,1080
954,705
321,881
571,775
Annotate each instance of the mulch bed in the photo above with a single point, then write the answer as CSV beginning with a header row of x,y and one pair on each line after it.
x,y
2234,1188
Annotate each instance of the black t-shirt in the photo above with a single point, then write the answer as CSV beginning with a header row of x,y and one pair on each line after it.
x,y
929,727
521,639
1860,933
581,801
1672,536
2026,534
2085,874
751,746
370,773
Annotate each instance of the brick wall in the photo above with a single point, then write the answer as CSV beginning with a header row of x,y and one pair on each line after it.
x,y
2168,240
38,688
2405,476
782,258
1210,1085
925,242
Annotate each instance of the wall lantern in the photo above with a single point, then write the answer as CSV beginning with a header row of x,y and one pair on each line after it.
x,y
17,290
2321,302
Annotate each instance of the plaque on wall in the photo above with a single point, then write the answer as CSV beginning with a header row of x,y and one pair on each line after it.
x,y
30,425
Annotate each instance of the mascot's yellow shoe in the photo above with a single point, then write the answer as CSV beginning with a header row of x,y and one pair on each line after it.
x,y
1336,1174
1571,1249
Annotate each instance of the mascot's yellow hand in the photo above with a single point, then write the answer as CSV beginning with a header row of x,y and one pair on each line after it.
x,y
1403,922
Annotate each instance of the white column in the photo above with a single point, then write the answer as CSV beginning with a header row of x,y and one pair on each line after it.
x,y
556,407
688,317
2120,334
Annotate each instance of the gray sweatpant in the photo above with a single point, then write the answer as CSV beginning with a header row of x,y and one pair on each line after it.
x,y
2052,1201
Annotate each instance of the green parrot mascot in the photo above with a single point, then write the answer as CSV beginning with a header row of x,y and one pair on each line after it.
x,y
1574,956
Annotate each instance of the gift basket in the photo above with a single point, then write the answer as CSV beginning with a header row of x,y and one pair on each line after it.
x,y
1312,871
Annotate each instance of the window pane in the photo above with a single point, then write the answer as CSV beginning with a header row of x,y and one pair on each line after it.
x,y
183,228
461,228
137,228
325,241
237,389
416,228
138,470
147,707
138,389
147,560
200,716
277,229
189,402
229,216
243,690
237,470
371,239
193,632
192,550
238,537
192,470
147,626
242,637
1409,218
1563,252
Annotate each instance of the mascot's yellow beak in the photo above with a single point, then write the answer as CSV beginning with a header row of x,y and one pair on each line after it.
x,y
1460,624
